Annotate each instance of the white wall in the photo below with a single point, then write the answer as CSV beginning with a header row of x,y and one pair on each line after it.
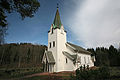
x,y
51,38
86,59
69,66
61,40
59,36
82,55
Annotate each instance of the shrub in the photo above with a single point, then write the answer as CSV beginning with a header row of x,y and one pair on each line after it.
x,y
102,73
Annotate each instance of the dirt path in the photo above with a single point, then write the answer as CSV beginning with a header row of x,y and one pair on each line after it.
x,y
37,74
50,74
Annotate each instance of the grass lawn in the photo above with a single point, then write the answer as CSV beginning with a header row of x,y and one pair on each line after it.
x,y
20,74
46,77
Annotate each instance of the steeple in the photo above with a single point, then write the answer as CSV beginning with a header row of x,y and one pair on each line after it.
x,y
57,22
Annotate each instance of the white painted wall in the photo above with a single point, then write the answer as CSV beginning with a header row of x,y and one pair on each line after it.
x,y
51,38
61,40
85,60
82,55
59,36
69,66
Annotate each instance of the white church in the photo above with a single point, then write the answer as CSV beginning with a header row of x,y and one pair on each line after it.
x,y
62,55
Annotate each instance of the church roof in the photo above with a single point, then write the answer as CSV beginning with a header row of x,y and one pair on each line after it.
x,y
78,48
71,57
50,57
57,22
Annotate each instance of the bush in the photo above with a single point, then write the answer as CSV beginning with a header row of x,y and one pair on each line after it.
x,y
102,73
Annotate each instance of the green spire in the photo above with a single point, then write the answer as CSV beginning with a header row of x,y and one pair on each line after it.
x,y
57,22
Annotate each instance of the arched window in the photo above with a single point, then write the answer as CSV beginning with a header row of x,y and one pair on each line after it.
x,y
66,60
50,45
53,43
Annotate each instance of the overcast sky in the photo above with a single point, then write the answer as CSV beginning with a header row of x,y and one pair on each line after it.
x,y
89,23
96,22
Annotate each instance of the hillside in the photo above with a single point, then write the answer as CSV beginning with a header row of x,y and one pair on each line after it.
x,y
21,55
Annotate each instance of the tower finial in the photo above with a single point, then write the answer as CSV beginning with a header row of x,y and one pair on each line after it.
x,y
57,5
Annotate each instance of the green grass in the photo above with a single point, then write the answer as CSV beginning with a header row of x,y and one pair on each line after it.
x,y
115,71
46,77
19,72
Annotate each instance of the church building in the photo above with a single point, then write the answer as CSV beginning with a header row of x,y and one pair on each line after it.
x,y
62,55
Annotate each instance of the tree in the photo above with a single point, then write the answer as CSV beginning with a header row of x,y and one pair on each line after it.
x,y
26,8
2,34
28,56
114,56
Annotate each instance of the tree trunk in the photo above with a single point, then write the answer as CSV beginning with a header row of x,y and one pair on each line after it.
x,y
19,61
2,57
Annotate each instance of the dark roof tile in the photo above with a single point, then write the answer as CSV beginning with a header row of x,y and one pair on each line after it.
x,y
50,57
71,57
78,48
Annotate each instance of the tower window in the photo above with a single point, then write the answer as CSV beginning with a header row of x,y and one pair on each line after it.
x,y
53,43
66,60
50,45
52,30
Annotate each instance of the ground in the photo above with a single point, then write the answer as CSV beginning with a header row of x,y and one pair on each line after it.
x,y
50,76
35,74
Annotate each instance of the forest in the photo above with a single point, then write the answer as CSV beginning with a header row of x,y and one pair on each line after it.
x,y
21,55
106,56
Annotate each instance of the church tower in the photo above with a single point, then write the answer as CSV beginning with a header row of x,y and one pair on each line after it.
x,y
57,41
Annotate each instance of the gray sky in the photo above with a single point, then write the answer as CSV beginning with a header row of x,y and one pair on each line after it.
x,y
95,23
